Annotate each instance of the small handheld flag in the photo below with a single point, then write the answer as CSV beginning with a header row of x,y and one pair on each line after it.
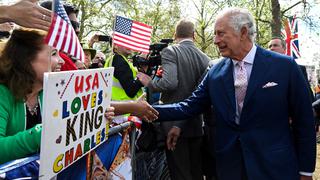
x,y
61,33
132,34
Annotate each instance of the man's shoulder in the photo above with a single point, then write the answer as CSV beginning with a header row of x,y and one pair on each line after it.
x,y
218,63
275,61
273,55
189,47
215,66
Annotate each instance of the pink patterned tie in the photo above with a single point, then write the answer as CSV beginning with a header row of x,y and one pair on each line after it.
x,y
240,84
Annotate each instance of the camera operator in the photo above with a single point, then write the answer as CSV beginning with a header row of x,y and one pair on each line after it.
x,y
125,85
183,64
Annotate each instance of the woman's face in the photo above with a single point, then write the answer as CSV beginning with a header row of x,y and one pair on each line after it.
x,y
41,63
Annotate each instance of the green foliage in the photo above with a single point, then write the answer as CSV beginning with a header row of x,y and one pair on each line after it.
x,y
97,16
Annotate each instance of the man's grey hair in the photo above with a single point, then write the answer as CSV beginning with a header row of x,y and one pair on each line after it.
x,y
240,18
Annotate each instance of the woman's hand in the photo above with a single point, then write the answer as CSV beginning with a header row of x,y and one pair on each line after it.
x,y
109,114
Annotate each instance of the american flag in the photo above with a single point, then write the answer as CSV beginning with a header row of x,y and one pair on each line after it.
x,y
132,34
290,33
61,33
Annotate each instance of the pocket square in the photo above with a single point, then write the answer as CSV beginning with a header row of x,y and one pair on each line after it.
x,y
269,84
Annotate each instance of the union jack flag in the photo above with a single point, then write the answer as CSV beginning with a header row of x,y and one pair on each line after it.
x,y
290,34
61,34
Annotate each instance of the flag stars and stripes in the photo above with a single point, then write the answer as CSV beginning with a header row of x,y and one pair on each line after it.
x,y
132,34
62,13
123,25
61,34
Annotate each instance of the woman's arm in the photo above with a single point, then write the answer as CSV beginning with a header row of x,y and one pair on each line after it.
x,y
138,108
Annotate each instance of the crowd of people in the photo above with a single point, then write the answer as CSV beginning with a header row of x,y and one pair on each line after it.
x,y
251,115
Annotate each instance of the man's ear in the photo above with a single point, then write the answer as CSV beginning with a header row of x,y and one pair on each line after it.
x,y
244,33
175,36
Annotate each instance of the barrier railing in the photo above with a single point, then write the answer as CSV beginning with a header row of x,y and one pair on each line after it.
x,y
29,167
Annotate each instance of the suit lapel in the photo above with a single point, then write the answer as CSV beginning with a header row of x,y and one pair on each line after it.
x,y
260,66
228,82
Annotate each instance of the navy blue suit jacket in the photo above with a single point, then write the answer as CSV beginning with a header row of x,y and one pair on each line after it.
x,y
264,145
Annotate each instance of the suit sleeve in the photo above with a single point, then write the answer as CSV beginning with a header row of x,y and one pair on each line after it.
x,y
190,107
169,80
303,122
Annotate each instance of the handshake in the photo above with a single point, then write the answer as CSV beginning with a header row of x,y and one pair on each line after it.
x,y
139,108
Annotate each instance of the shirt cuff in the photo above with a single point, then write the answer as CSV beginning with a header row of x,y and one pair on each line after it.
x,y
305,173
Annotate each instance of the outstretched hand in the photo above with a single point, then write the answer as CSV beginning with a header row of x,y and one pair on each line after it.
x,y
139,108
28,14
144,110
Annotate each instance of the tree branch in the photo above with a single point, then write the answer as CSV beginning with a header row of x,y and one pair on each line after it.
x,y
284,11
264,21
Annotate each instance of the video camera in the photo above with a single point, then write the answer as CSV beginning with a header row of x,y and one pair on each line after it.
x,y
153,60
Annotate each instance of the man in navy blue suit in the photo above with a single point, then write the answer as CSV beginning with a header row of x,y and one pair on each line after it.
x,y
253,93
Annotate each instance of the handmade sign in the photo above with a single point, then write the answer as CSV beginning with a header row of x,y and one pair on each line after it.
x,y
74,104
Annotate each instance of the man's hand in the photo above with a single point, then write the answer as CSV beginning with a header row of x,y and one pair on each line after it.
x,y
27,14
143,110
172,138
305,177
143,78
139,108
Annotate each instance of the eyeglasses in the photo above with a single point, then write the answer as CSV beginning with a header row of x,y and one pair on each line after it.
x,y
75,24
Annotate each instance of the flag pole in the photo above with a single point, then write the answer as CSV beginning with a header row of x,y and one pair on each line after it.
x,y
113,29
50,48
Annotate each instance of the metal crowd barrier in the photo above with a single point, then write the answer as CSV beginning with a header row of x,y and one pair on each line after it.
x,y
28,168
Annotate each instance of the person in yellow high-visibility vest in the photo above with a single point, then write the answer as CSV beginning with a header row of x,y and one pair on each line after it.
x,y
125,85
